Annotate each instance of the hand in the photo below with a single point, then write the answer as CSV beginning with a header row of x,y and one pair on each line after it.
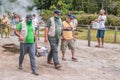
x,y
21,38
46,40
74,39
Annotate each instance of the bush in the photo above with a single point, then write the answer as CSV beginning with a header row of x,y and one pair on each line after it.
x,y
78,12
46,14
85,19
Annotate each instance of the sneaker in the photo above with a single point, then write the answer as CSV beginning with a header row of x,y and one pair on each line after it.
x,y
35,73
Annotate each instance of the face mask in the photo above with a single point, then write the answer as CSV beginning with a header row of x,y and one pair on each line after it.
x,y
29,22
57,17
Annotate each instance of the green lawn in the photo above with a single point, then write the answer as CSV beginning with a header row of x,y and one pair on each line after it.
x,y
109,35
82,34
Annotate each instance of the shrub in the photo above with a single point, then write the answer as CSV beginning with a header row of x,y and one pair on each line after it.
x,y
85,19
78,12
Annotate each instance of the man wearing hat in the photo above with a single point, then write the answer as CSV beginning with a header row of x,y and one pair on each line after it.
x,y
53,31
26,35
68,37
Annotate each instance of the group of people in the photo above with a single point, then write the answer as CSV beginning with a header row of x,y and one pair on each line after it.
x,y
9,23
55,30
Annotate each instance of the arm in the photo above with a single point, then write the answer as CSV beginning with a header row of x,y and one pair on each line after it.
x,y
21,38
46,35
48,24
17,32
73,34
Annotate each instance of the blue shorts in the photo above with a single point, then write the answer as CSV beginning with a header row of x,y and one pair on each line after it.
x,y
100,33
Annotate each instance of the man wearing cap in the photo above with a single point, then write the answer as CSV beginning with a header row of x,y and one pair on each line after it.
x,y
53,31
68,37
26,35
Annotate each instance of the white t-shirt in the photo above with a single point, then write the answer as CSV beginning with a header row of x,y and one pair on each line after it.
x,y
75,22
35,22
102,23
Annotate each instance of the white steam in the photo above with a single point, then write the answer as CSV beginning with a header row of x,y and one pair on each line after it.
x,y
21,7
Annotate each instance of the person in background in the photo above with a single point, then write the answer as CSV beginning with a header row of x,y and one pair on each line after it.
x,y
6,25
75,22
35,25
26,34
101,32
35,22
15,22
53,32
68,37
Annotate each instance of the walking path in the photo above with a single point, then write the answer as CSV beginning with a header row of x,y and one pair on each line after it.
x,y
93,63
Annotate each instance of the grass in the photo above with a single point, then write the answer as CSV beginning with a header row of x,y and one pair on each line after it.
x,y
81,34
109,35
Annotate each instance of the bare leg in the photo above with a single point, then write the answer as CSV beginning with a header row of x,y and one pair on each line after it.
x,y
63,55
73,55
98,39
102,39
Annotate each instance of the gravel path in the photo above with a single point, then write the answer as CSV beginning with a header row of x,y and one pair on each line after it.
x,y
93,64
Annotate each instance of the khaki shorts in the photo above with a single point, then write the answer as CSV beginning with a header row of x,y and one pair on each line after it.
x,y
67,43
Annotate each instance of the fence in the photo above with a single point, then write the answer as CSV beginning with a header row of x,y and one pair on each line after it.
x,y
89,28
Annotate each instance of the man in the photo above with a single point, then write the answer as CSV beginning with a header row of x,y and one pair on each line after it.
x,y
53,33
75,22
26,34
101,32
68,37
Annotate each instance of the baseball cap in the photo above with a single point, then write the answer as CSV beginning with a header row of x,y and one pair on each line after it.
x,y
70,16
29,16
57,11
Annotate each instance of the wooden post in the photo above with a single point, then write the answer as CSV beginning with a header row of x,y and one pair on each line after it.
x,y
88,35
115,35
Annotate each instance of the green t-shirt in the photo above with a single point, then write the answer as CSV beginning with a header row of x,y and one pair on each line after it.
x,y
58,28
30,33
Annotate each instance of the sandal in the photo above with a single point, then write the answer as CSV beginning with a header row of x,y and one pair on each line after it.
x,y
97,46
63,58
102,47
74,59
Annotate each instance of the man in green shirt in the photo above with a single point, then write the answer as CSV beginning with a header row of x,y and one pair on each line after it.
x,y
26,35
53,33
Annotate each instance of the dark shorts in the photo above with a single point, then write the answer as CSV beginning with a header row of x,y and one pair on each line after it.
x,y
100,33
36,28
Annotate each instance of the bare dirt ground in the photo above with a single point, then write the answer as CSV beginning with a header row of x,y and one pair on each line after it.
x,y
93,64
